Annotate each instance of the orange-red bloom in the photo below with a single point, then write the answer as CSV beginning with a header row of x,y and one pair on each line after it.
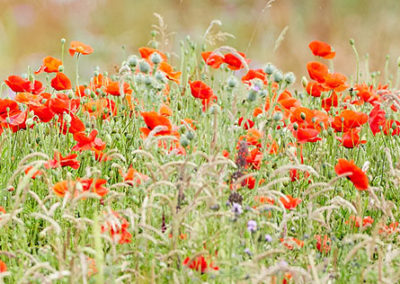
x,y
351,138
212,59
50,65
317,71
292,243
61,82
289,202
323,244
87,142
357,176
117,226
322,49
80,48
199,264
60,161
3,267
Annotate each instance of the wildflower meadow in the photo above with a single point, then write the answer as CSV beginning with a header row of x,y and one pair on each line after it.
x,y
199,165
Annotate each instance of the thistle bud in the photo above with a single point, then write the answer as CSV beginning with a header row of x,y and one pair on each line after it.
x,y
269,69
184,141
144,67
155,58
232,82
132,61
290,78
277,76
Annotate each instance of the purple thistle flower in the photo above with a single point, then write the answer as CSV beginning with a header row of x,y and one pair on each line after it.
x,y
252,226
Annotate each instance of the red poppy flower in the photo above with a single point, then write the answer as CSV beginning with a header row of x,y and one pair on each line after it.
x,y
61,82
117,226
169,72
18,84
36,174
315,89
292,243
289,202
94,185
113,88
152,120
133,177
8,108
146,52
233,61
322,49
50,65
75,124
80,48
247,124
317,71
199,264
3,267
60,188
15,122
335,81
88,142
254,74
200,90
62,103
332,101
357,176
349,119
357,221
377,119
212,59
60,161
305,135
351,138
323,244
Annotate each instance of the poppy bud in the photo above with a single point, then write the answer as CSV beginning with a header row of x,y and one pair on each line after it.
x,y
155,58
63,41
295,126
269,69
190,135
153,33
303,115
232,82
277,116
184,141
304,82
61,68
67,118
278,76
29,122
263,93
144,67
351,41
290,78
148,81
132,61
160,77
139,78
252,95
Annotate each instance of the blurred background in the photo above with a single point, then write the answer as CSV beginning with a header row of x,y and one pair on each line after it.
x,y
30,30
